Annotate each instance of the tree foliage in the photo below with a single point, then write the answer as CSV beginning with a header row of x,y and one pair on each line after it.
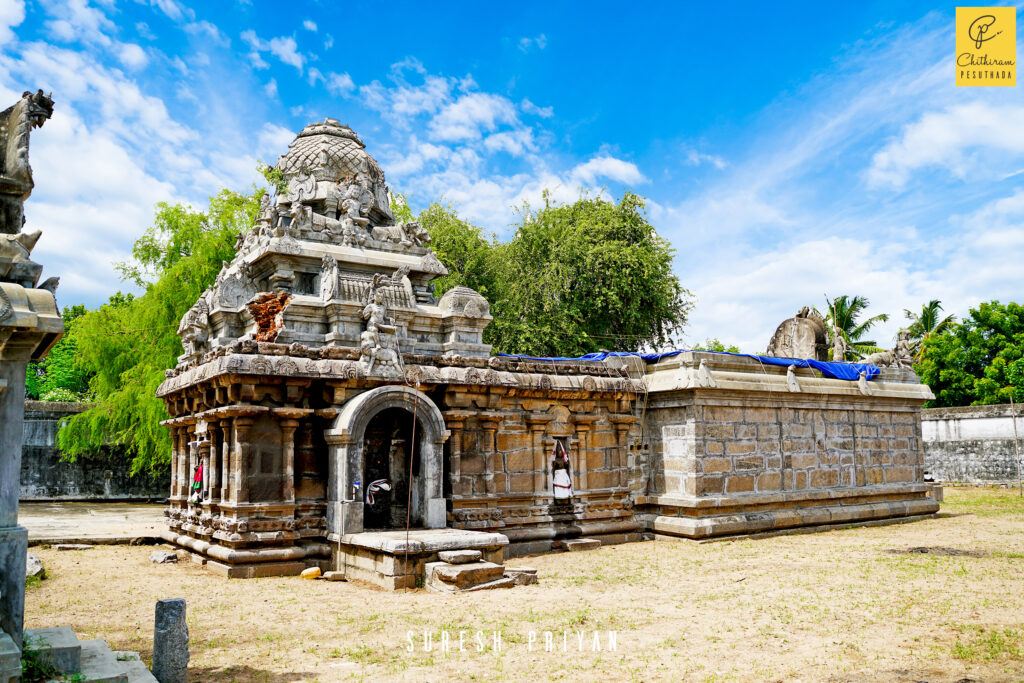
x,y
978,362
58,377
926,323
581,277
126,344
846,312
716,344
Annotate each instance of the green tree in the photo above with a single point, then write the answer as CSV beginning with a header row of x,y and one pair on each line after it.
x,y
126,344
581,277
926,323
471,258
58,376
845,312
715,344
978,362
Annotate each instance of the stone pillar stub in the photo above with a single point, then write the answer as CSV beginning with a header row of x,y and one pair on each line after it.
x,y
13,554
13,538
170,642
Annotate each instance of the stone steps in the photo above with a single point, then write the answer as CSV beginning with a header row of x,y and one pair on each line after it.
x,y
463,571
93,660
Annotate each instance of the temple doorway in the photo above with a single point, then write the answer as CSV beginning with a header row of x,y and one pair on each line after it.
x,y
388,471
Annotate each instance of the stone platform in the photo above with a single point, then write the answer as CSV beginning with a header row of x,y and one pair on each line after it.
x,y
386,559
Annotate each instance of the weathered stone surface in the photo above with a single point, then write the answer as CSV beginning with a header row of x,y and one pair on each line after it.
x,y
34,566
579,544
523,576
170,642
459,556
464,575
72,546
335,576
57,646
163,557
10,660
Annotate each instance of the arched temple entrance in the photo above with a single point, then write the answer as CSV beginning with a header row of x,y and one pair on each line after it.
x,y
371,440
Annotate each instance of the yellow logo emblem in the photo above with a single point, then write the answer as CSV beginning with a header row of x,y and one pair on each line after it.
x,y
986,46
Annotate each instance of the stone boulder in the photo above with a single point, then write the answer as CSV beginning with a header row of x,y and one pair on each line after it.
x,y
34,566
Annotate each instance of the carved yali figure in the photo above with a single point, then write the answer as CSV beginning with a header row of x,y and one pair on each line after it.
x,y
328,278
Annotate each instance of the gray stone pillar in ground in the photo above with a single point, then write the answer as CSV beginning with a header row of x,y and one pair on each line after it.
x,y
29,325
13,538
170,642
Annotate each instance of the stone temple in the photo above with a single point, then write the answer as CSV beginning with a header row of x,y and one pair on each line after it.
x,y
328,399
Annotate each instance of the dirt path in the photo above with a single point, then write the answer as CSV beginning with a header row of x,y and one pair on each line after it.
x,y
937,600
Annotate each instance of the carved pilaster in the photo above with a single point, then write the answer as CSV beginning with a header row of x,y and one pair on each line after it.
x,y
214,431
288,427
240,460
489,424
455,420
537,423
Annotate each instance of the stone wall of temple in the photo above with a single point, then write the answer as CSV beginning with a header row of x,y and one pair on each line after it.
x,y
104,475
972,444
738,448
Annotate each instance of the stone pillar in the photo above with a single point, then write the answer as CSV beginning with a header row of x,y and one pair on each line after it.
x,y
489,423
204,449
213,429
170,642
288,427
240,466
537,423
13,538
227,431
183,460
580,466
621,462
455,422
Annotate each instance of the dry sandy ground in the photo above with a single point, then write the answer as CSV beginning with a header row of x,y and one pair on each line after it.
x,y
830,606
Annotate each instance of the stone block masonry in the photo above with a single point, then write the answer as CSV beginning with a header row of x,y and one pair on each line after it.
x,y
972,444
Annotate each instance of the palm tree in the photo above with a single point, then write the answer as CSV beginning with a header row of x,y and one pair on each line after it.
x,y
843,313
927,323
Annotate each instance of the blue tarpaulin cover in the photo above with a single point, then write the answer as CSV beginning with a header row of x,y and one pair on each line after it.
x,y
847,371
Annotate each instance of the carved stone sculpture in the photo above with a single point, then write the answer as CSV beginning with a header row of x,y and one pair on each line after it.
x,y
802,336
839,347
16,123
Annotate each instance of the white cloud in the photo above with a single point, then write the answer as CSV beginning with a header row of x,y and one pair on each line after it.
x,y
328,42
946,139
205,28
283,47
314,75
529,107
514,142
271,88
132,56
609,168
274,140
340,84
309,25
75,20
12,13
470,114
173,9
540,42
695,158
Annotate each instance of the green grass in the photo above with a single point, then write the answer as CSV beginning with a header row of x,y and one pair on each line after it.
x,y
981,644
984,502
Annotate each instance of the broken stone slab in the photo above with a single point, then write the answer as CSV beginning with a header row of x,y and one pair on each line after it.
x,y
459,556
72,546
464,576
503,582
311,573
335,576
523,576
57,646
34,566
163,557
10,659
579,544
170,642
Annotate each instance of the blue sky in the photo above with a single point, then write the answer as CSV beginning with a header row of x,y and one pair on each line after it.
x,y
787,153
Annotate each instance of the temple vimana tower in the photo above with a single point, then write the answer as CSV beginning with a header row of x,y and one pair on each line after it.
x,y
328,399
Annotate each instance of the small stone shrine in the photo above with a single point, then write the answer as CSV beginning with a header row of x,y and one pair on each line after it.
x,y
327,400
